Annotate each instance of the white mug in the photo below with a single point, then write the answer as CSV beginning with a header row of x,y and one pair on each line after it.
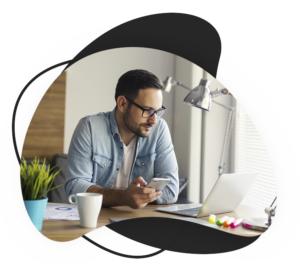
x,y
89,206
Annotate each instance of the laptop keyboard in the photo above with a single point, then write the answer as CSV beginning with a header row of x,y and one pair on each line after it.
x,y
189,211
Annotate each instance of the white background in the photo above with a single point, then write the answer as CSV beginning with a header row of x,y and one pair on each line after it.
x,y
269,124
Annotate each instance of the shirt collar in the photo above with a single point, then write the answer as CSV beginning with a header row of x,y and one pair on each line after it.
x,y
113,123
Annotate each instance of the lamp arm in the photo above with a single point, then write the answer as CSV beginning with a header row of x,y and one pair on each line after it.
x,y
227,137
219,92
213,94
228,108
230,121
179,84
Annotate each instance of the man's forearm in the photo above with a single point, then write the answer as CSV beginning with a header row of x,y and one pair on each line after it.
x,y
111,197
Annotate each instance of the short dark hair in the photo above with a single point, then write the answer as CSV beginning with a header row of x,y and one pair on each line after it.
x,y
131,82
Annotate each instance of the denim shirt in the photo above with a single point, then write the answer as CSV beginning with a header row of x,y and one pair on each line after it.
x,y
96,153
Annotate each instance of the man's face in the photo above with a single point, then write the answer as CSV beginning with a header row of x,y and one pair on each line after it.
x,y
150,98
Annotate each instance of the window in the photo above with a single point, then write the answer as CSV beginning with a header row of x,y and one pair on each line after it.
x,y
250,155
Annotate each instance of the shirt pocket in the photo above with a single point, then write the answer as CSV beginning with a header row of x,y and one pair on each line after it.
x,y
144,166
102,165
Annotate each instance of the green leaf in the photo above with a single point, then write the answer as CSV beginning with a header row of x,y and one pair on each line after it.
x,y
36,179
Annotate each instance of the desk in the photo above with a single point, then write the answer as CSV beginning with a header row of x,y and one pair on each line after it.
x,y
70,230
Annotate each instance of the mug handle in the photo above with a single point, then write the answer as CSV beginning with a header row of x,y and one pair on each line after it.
x,y
70,199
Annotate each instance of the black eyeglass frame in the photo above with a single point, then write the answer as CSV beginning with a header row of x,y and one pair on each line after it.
x,y
143,109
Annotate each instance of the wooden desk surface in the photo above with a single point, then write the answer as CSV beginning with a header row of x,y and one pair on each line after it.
x,y
58,230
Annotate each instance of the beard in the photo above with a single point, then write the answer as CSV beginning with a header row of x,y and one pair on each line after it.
x,y
134,127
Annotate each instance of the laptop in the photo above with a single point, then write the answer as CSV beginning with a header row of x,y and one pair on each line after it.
x,y
225,196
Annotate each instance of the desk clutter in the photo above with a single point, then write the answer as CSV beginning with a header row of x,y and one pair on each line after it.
x,y
259,224
225,221
57,211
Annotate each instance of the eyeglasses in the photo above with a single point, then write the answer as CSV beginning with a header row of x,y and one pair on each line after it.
x,y
147,113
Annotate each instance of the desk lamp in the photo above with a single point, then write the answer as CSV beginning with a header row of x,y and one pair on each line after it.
x,y
200,97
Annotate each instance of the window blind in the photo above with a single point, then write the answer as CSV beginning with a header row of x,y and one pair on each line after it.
x,y
250,156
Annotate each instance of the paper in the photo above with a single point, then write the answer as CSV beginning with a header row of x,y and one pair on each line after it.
x,y
56,211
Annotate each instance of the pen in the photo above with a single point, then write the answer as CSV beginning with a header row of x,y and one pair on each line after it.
x,y
228,222
236,223
220,221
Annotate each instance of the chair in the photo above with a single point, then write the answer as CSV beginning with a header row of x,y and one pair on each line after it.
x,y
59,195
182,184
182,195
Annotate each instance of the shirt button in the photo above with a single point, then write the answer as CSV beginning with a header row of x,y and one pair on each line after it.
x,y
143,164
105,165
117,169
121,147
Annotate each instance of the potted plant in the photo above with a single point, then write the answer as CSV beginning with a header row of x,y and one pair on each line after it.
x,y
36,182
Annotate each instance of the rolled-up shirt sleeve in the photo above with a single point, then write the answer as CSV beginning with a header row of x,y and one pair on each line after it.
x,y
166,166
80,164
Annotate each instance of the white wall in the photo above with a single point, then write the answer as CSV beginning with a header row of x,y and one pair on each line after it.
x,y
91,82
213,132
187,128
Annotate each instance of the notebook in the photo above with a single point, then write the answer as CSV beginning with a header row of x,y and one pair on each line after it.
x,y
225,196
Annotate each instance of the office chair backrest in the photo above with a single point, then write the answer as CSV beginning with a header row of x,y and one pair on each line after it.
x,y
182,184
59,195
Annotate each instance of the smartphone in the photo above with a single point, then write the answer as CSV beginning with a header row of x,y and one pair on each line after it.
x,y
158,183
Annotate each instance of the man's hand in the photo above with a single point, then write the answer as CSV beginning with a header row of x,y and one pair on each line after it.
x,y
138,197
134,196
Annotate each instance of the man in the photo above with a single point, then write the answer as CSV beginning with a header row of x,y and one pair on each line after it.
x,y
117,153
